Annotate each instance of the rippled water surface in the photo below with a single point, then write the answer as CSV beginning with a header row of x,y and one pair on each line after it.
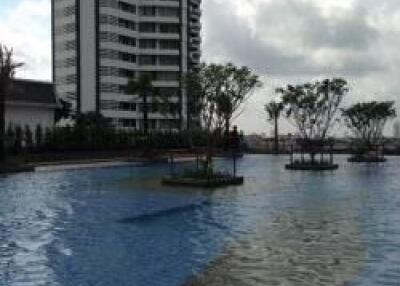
x,y
118,226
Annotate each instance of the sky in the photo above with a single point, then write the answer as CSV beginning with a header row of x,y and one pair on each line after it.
x,y
284,42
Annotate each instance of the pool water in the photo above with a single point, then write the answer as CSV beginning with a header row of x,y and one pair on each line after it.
x,y
118,226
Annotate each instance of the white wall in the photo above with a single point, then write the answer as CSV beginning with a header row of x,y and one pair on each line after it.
x,y
29,115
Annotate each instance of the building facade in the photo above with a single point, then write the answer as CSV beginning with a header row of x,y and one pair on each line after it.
x,y
98,45
30,103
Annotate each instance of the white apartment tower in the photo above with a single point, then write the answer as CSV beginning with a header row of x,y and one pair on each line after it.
x,y
99,44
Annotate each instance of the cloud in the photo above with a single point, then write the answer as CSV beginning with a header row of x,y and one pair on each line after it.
x,y
291,37
291,41
26,28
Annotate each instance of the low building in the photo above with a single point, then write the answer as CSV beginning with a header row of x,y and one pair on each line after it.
x,y
30,103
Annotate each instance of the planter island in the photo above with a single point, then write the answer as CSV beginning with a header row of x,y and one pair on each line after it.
x,y
372,153
202,176
317,149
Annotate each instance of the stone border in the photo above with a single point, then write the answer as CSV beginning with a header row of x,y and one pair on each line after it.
x,y
312,167
367,160
203,183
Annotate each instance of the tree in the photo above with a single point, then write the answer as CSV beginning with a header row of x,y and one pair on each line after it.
x,y
216,92
237,85
28,135
170,110
93,120
313,109
18,139
274,110
38,136
63,111
8,68
206,84
367,121
143,86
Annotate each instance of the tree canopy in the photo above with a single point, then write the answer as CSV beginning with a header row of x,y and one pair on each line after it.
x,y
8,68
274,110
367,120
142,86
313,107
217,91
237,85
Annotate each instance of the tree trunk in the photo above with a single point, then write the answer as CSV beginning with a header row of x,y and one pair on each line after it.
x,y
227,127
276,137
312,155
145,114
2,124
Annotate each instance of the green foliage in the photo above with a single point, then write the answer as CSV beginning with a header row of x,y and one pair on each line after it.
x,y
10,134
28,135
18,138
313,107
8,68
38,135
274,110
237,85
91,120
367,121
143,86
63,111
216,92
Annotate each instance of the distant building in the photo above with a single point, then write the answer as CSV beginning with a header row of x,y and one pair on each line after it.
x,y
30,103
396,130
99,45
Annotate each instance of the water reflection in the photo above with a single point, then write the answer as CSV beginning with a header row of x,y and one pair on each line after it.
x,y
297,248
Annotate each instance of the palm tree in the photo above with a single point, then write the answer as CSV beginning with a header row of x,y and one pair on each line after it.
x,y
143,86
274,110
7,71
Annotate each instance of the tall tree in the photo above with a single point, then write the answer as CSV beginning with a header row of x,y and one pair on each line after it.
x,y
206,85
237,85
274,110
313,109
168,108
143,86
8,68
367,121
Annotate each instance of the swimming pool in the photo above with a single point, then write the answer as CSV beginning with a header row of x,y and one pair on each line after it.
x,y
118,226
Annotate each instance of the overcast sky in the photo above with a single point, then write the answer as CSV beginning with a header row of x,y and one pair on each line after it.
x,y
284,41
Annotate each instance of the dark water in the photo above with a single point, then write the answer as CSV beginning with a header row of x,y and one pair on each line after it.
x,y
117,226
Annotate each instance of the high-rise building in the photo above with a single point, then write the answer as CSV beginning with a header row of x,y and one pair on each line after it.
x,y
98,45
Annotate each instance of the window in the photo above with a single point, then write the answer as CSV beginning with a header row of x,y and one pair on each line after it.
x,y
147,27
147,60
169,45
169,28
148,11
127,24
127,41
169,60
126,57
147,44
126,7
